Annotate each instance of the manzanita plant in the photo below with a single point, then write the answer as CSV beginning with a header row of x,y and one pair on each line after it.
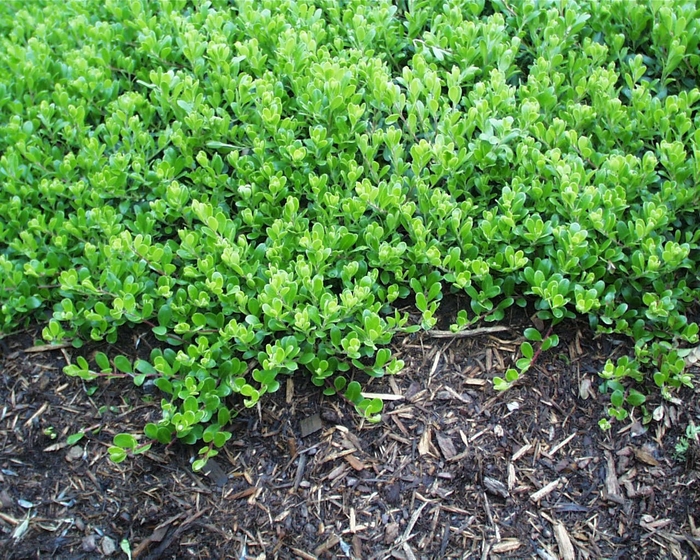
x,y
259,183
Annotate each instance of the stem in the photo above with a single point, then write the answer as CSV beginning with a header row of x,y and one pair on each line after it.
x,y
539,349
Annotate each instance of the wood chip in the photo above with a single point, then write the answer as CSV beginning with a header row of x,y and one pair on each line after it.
x,y
561,444
301,554
336,472
446,446
424,443
310,425
451,392
520,452
391,532
612,484
462,455
354,462
545,491
383,396
511,476
412,522
584,389
157,535
506,545
495,487
408,552
243,493
289,394
645,457
215,473
475,382
55,446
300,471
327,545
566,549
36,415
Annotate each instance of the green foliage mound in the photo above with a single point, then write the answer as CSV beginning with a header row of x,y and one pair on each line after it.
x,y
261,182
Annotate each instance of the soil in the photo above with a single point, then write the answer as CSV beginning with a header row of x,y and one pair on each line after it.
x,y
454,470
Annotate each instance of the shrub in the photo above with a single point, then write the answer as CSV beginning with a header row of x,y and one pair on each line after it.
x,y
261,182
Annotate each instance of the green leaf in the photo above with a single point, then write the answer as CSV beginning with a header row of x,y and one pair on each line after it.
x,y
165,315
102,361
142,449
126,441
123,364
144,367
499,384
527,350
150,430
220,438
164,385
223,416
354,392
117,454
220,145
339,383
550,342
421,302
532,334
635,398
164,435
190,404
75,438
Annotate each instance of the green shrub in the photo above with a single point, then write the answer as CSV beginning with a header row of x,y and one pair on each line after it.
x,y
260,183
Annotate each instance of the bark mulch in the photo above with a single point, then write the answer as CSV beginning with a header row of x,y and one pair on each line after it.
x,y
454,470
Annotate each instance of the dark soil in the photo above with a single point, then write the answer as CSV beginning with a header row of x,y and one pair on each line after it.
x,y
454,470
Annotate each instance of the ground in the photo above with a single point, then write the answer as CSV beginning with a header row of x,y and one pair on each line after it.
x,y
454,470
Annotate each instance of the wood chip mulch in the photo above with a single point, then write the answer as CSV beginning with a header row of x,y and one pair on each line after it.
x,y
454,470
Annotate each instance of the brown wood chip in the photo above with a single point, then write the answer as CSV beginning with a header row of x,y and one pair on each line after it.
x,y
424,443
327,545
310,425
506,545
544,491
446,446
215,473
495,487
566,549
645,457
612,485
354,462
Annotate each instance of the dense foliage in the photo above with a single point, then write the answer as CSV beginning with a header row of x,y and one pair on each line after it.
x,y
261,182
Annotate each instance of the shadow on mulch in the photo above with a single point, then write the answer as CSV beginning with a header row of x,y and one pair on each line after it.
x,y
454,470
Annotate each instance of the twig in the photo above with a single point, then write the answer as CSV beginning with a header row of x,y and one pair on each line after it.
x,y
46,348
411,523
466,333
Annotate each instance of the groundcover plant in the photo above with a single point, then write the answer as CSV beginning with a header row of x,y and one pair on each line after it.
x,y
265,183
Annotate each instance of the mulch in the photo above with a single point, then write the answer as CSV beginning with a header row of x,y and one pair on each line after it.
x,y
454,470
